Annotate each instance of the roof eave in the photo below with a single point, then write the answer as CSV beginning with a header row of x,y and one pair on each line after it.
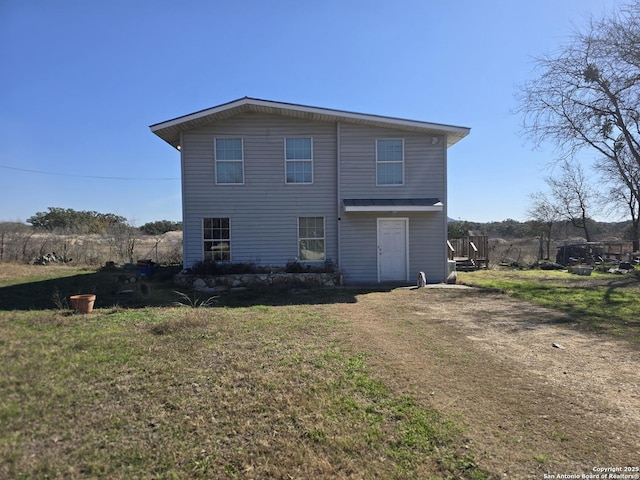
x,y
170,130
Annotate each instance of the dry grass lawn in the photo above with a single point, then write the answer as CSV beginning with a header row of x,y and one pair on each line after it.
x,y
404,383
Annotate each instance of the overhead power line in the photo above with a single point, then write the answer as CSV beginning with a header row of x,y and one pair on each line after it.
x,y
87,176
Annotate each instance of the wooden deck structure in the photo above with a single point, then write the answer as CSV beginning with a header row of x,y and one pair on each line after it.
x,y
469,253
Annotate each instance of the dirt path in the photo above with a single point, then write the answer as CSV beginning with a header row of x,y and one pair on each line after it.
x,y
530,408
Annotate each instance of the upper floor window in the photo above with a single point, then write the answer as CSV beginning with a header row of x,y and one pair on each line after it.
x,y
389,162
229,160
298,160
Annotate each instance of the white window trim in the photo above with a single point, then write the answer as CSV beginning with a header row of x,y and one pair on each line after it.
x,y
205,240
298,160
324,239
378,184
215,150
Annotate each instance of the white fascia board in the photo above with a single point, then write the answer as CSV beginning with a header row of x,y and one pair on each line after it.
x,y
338,114
199,114
341,114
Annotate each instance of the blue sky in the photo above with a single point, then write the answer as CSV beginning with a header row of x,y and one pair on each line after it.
x,y
83,80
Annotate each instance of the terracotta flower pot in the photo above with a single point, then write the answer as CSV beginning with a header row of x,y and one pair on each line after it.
x,y
83,303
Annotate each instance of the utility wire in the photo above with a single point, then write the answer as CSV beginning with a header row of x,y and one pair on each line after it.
x,y
86,176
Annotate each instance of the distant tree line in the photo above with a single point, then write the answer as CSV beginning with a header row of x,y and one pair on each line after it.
x,y
68,220
160,227
86,237
562,229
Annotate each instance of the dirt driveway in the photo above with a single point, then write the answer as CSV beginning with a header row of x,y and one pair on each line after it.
x,y
536,395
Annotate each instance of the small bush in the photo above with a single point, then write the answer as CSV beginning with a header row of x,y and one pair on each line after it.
x,y
210,267
297,267
194,301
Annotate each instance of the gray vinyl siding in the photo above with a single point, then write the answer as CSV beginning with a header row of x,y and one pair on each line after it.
x,y
427,244
264,210
427,251
424,176
424,169
359,254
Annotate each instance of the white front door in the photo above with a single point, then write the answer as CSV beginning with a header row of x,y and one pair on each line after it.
x,y
392,249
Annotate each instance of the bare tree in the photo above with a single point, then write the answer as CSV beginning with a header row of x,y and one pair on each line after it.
x,y
14,241
585,97
545,214
122,240
572,196
623,194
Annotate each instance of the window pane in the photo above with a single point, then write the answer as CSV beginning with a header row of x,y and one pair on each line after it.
x,y
218,234
228,149
311,227
298,148
220,231
229,172
302,227
299,172
312,250
317,227
389,174
389,150
218,251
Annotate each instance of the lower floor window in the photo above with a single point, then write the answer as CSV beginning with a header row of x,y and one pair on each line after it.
x,y
311,239
217,239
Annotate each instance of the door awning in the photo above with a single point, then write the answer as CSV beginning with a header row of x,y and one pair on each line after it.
x,y
392,205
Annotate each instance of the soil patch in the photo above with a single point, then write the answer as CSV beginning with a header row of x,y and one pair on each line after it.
x,y
537,395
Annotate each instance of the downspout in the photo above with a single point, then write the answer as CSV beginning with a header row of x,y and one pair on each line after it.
x,y
338,192
445,211
184,219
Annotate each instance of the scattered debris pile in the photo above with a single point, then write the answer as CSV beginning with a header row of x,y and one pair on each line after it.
x,y
52,257
588,253
145,268
622,269
607,257
579,253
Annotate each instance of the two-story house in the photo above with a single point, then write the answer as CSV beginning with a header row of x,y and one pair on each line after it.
x,y
269,183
